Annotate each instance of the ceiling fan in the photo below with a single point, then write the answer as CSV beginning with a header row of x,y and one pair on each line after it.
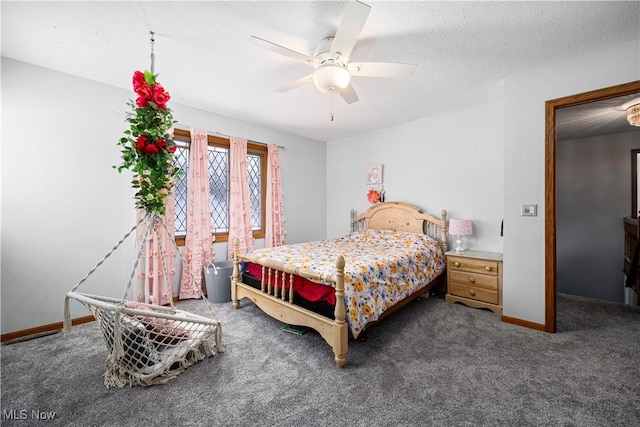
x,y
331,61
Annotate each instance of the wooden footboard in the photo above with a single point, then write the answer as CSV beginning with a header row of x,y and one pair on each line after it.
x,y
272,299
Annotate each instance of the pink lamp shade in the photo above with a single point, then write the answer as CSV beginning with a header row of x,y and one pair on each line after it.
x,y
460,227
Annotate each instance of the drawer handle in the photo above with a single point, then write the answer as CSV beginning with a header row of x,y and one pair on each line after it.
x,y
486,267
472,292
457,264
472,280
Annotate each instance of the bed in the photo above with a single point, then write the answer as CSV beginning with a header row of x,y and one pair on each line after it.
x,y
393,254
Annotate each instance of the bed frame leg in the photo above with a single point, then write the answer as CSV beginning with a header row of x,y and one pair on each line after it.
x,y
340,361
235,277
340,347
340,328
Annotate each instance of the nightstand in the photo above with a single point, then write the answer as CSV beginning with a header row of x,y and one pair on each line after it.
x,y
474,278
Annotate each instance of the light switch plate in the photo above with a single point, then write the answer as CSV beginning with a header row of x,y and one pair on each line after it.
x,y
529,210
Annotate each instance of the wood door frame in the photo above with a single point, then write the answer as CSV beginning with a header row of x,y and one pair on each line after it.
x,y
550,183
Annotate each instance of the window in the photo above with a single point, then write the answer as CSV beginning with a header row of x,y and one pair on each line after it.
x,y
218,164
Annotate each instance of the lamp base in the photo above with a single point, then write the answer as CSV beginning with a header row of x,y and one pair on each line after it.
x,y
460,244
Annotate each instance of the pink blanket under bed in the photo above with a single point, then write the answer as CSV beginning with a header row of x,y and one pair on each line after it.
x,y
382,267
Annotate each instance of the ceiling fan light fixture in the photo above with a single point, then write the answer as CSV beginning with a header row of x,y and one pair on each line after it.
x,y
633,115
330,78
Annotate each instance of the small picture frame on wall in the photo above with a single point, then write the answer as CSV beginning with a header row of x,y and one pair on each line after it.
x,y
374,174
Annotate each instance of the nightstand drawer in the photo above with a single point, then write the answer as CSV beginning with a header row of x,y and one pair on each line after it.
x,y
473,279
473,265
471,292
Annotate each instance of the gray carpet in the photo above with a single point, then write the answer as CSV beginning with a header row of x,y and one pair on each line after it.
x,y
430,364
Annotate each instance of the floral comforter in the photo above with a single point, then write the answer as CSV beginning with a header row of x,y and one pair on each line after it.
x,y
382,267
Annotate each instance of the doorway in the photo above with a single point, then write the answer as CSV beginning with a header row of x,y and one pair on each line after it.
x,y
550,183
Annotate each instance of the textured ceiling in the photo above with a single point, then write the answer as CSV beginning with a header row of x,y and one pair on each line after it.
x,y
205,58
595,118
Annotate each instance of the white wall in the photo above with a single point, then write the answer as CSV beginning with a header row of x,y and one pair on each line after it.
x,y
450,161
524,163
64,207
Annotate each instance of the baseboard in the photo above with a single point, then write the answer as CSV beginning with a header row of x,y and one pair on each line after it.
x,y
525,323
42,330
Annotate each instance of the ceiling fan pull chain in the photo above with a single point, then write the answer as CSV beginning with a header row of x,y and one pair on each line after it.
x,y
331,106
153,56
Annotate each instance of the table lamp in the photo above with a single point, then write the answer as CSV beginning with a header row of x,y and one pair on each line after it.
x,y
460,228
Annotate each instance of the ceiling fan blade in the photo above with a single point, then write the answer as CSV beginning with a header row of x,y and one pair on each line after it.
x,y
349,94
297,56
381,69
296,84
350,28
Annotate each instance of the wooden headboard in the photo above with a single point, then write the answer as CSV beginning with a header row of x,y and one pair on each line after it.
x,y
400,216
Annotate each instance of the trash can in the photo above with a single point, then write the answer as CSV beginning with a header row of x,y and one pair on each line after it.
x,y
218,279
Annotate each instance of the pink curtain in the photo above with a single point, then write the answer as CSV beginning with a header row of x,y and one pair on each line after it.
x,y
198,250
239,202
151,284
274,234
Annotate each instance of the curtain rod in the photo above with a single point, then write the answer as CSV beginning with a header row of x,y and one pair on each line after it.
x,y
216,133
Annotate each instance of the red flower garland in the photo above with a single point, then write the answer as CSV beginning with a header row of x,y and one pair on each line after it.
x,y
147,148
149,93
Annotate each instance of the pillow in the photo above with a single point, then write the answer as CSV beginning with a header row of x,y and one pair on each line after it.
x,y
137,345
139,350
163,331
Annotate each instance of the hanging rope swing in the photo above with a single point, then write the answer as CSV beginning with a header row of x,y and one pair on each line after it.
x,y
148,344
